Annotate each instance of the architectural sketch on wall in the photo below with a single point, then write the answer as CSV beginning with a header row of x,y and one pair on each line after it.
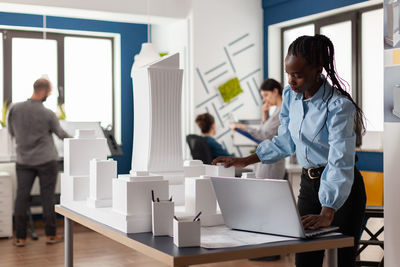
x,y
230,89
225,112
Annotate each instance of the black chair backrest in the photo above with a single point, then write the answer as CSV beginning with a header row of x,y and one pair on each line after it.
x,y
199,148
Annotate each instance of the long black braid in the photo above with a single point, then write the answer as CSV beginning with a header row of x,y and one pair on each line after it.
x,y
318,51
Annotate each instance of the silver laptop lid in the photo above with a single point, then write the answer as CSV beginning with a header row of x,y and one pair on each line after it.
x,y
259,205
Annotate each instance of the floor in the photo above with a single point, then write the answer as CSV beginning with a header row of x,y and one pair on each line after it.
x,y
92,249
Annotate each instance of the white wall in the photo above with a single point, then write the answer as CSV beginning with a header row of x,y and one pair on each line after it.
x,y
392,196
173,38
137,11
216,27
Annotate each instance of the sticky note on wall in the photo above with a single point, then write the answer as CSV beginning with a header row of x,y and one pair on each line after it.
x,y
396,57
230,89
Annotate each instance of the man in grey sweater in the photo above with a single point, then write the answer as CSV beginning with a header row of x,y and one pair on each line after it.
x,y
32,126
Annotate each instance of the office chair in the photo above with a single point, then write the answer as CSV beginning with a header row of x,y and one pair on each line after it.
x,y
199,148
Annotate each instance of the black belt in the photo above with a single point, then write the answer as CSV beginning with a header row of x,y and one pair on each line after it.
x,y
313,173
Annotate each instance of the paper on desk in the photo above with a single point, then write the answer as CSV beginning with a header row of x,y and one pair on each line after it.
x,y
223,237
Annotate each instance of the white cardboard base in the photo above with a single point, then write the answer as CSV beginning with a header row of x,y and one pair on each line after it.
x,y
124,223
132,223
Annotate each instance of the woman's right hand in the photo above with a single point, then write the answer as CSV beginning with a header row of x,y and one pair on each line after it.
x,y
265,108
238,126
230,161
265,111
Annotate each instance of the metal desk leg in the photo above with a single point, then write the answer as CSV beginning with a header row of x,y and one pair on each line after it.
x,y
331,257
69,242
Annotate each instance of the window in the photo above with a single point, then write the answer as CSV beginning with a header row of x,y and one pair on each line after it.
x,y
1,72
372,69
80,68
340,35
32,59
358,55
289,36
88,79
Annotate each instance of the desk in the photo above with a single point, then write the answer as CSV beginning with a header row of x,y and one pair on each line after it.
x,y
163,249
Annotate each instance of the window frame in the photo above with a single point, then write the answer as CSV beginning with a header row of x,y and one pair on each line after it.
x,y
8,34
356,23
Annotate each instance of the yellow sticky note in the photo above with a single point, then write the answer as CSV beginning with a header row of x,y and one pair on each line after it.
x,y
396,57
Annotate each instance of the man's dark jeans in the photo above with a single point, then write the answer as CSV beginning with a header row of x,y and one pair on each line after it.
x,y
26,175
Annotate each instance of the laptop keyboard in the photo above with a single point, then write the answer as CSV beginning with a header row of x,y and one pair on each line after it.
x,y
321,231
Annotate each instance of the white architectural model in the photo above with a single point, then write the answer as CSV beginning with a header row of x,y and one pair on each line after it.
x,y
78,152
393,22
157,140
132,198
123,203
101,175
199,194
156,161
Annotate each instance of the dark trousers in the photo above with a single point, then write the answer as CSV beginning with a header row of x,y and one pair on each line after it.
x,y
349,218
26,175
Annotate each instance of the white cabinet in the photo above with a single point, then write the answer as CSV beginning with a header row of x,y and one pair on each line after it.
x,y
5,205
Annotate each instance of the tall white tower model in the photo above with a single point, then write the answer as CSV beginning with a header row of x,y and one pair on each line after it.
x,y
157,139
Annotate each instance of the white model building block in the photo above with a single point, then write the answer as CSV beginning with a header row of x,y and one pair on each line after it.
x,y
157,143
220,170
74,188
79,151
100,190
194,168
200,196
249,175
132,199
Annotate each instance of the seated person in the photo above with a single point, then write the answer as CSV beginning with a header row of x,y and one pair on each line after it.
x,y
207,126
271,91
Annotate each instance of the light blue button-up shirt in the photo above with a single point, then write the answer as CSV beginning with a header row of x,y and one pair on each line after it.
x,y
318,139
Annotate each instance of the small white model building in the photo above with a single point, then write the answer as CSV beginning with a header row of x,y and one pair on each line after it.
x,y
132,198
199,193
78,152
123,203
100,182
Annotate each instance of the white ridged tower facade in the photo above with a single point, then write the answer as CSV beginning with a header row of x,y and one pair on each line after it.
x,y
157,138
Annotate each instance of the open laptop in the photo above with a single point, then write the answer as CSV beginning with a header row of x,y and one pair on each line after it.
x,y
261,205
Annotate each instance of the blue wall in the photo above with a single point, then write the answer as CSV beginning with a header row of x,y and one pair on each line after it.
x,y
276,11
132,36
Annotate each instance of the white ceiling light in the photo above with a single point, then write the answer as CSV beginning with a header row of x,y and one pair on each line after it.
x,y
148,53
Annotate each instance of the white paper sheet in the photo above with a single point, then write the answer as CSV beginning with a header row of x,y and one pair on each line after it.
x,y
223,237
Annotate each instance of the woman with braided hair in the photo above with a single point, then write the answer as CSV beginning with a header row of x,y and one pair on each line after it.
x,y
321,123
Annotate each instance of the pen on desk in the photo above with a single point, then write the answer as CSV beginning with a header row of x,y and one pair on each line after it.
x,y
198,219
197,216
152,195
158,199
176,218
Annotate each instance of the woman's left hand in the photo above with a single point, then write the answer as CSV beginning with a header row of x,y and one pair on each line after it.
x,y
313,221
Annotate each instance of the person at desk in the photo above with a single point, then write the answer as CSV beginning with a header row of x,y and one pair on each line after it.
x,y
321,122
207,127
271,91
32,126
